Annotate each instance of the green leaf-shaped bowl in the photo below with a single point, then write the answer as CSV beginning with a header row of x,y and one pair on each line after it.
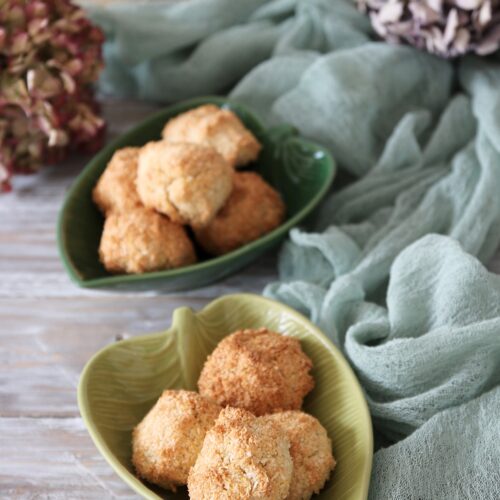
x,y
301,171
123,381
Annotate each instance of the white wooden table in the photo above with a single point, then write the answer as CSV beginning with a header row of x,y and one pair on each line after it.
x,y
49,329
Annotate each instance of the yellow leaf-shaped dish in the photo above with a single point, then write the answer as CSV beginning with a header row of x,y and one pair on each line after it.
x,y
122,382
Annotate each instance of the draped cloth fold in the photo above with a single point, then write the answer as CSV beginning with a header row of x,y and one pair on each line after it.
x,y
393,270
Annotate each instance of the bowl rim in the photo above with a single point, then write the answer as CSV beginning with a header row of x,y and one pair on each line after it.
x,y
116,143
133,481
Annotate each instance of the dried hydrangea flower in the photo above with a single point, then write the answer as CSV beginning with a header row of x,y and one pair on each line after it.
x,y
50,57
448,28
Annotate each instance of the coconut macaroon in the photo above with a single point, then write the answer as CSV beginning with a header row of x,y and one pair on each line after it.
x,y
243,457
167,441
311,452
142,240
220,128
253,209
115,190
259,370
187,182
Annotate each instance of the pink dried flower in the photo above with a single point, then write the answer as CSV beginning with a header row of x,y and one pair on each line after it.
x,y
50,57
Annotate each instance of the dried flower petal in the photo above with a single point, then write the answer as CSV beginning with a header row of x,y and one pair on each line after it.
x,y
485,13
50,56
68,82
20,43
444,27
469,4
490,43
435,5
423,13
57,138
451,27
461,41
391,12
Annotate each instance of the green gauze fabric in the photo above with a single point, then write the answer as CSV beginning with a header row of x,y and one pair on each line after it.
x,y
392,271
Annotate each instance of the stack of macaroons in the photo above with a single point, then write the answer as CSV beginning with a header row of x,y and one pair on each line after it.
x,y
150,194
243,436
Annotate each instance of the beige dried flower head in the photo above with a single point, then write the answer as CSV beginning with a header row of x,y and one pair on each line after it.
x,y
447,28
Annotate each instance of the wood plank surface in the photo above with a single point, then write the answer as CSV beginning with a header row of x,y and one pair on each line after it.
x,y
49,329
54,458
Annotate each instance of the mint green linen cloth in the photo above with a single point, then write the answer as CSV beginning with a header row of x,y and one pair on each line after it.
x,y
392,269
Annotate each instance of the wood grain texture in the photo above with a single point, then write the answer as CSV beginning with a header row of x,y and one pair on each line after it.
x,y
56,459
49,328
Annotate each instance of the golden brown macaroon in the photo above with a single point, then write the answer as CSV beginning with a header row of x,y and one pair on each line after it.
x,y
259,370
187,182
167,441
311,451
253,209
142,240
221,128
115,190
243,457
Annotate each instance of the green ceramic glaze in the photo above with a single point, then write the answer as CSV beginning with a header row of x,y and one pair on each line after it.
x,y
301,171
122,382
